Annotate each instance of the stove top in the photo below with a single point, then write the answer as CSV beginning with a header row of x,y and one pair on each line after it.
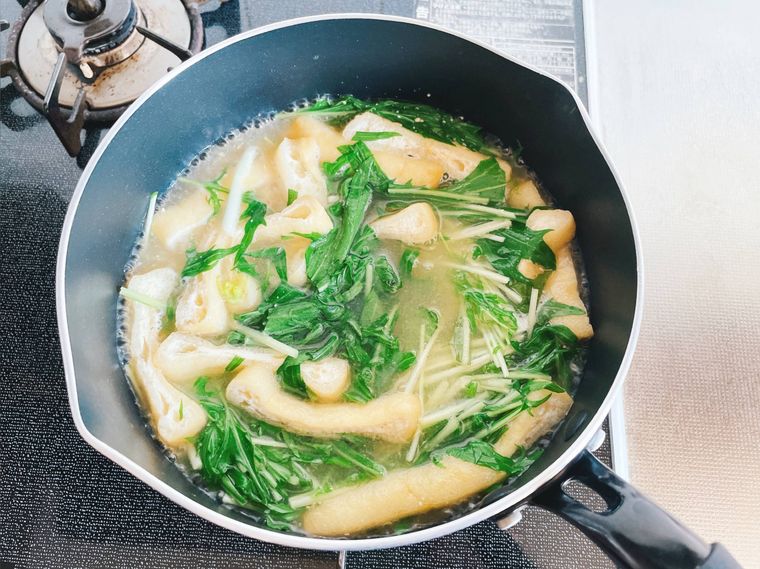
x,y
82,62
61,503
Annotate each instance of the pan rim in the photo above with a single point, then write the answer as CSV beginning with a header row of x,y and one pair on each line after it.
x,y
517,497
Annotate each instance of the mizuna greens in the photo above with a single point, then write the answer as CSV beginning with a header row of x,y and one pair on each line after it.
x,y
390,299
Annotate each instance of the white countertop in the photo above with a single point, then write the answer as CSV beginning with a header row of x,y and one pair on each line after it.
x,y
677,88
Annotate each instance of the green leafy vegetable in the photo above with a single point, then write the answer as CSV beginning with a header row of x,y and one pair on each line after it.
x,y
483,454
292,196
431,319
199,262
550,349
386,275
422,119
408,259
369,136
257,264
234,364
487,180
519,243
553,309
290,375
260,466
254,216
485,308
214,188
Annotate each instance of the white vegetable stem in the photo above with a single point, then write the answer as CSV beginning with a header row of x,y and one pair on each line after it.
x,y
491,210
479,230
142,298
265,340
439,194
447,412
479,270
532,310
419,366
411,454
234,200
149,217
476,363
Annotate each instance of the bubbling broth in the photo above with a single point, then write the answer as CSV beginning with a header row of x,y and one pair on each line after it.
x,y
354,314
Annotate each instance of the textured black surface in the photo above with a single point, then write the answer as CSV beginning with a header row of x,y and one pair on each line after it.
x,y
64,505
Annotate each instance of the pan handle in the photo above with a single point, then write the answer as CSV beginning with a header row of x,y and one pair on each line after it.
x,y
633,531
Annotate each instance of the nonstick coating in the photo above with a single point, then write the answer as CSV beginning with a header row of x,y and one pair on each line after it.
x,y
260,72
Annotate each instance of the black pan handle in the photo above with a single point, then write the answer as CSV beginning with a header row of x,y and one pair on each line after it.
x,y
633,531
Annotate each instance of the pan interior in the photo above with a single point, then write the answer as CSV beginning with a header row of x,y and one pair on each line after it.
x,y
370,59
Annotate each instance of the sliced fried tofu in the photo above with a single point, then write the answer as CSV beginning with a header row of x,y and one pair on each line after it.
x,y
327,379
182,358
560,224
175,415
176,224
201,308
392,417
417,490
401,168
327,138
414,225
525,195
298,165
305,215
562,286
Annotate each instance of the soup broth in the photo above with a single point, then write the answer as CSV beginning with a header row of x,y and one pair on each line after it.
x,y
354,313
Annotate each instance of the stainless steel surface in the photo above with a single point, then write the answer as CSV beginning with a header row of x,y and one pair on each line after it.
x,y
127,77
74,37
84,9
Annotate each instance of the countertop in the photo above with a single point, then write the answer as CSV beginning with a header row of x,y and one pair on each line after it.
x,y
677,87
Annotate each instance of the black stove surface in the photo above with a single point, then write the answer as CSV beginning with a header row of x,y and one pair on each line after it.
x,y
62,504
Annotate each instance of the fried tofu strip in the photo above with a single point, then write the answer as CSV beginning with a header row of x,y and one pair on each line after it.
x,y
525,196
175,415
423,488
327,138
305,215
327,379
456,161
183,358
391,418
414,225
562,284
176,224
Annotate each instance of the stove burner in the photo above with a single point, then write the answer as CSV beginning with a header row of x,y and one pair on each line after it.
x,y
82,62
103,31
82,10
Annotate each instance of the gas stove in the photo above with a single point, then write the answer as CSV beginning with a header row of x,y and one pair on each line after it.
x,y
82,62
78,65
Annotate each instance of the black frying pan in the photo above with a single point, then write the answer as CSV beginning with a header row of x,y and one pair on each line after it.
x,y
370,57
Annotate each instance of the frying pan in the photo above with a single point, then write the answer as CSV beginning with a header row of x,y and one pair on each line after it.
x,y
371,57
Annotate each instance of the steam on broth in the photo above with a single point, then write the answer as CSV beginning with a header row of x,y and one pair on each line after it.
x,y
353,314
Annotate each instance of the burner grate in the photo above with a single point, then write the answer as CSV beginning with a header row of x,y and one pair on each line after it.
x,y
92,79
